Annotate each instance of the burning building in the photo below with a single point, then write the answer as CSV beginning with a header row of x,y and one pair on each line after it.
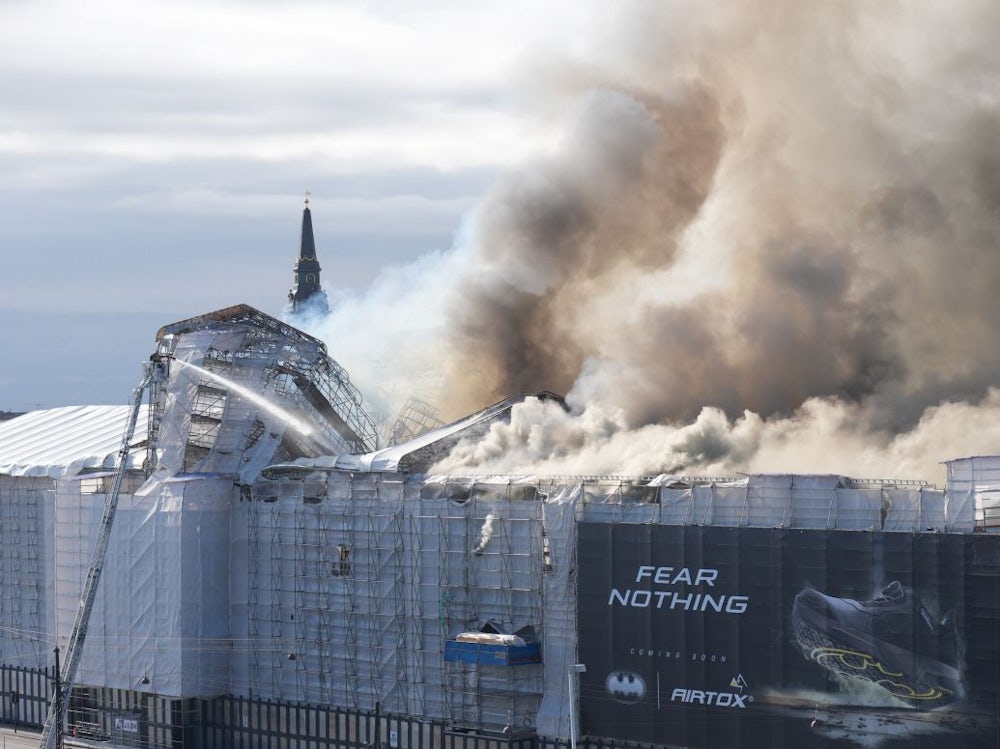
x,y
275,578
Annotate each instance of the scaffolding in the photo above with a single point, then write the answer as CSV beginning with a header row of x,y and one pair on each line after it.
x,y
285,362
25,546
415,418
357,583
368,580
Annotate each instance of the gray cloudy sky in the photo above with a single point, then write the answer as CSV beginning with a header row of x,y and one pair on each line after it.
x,y
154,157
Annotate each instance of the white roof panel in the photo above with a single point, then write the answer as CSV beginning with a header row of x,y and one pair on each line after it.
x,y
64,441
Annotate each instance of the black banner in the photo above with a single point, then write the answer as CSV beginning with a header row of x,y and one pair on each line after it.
x,y
759,637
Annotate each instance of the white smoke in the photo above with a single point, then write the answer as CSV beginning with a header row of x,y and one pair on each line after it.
x,y
823,436
485,534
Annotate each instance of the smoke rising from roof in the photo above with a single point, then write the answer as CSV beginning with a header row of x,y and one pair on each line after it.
x,y
769,240
822,436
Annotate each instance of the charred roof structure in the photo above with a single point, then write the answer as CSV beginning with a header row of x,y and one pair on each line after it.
x,y
238,353
418,454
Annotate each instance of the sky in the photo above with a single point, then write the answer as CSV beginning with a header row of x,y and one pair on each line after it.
x,y
154,157
736,236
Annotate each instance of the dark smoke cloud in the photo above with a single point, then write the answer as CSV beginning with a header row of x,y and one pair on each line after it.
x,y
858,220
615,201
770,241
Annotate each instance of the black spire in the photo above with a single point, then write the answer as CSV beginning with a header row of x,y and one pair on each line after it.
x,y
306,292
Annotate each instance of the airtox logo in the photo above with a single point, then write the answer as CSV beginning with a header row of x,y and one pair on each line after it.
x,y
735,699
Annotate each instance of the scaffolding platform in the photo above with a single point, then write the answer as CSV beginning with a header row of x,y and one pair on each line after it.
x,y
488,654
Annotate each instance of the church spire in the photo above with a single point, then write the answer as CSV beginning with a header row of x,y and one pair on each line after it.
x,y
306,291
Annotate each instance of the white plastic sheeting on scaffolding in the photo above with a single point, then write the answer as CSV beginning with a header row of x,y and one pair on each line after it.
x,y
559,594
799,501
356,581
161,611
364,579
974,490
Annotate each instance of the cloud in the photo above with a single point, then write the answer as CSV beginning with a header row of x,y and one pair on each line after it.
x,y
217,115
346,87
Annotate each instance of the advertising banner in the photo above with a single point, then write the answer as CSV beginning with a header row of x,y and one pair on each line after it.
x,y
758,637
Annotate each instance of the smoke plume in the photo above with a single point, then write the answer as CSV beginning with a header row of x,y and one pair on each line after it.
x,y
768,241
485,534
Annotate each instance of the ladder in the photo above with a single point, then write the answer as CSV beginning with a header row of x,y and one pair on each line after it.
x,y
52,732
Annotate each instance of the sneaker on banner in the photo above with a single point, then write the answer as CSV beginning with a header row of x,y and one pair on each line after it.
x,y
892,641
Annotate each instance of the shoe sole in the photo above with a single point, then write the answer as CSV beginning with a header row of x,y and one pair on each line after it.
x,y
931,683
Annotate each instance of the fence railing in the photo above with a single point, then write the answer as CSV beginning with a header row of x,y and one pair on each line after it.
x,y
24,695
129,718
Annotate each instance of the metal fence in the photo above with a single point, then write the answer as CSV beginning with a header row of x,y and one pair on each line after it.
x,y
125,718
129,718
243,723
266,724
24,695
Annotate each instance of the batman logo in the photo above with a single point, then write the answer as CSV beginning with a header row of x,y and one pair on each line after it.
x,y
626,687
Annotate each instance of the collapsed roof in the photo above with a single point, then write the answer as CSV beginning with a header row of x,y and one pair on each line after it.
x,y
284,353
419,454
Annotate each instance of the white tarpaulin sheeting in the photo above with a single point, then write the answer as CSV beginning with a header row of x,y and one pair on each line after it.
x,y
63,441
161,610
974,490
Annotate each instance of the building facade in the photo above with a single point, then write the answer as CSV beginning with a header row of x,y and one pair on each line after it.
x,y
275,579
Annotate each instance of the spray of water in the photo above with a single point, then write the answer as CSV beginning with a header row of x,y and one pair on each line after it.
x,y
256,398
